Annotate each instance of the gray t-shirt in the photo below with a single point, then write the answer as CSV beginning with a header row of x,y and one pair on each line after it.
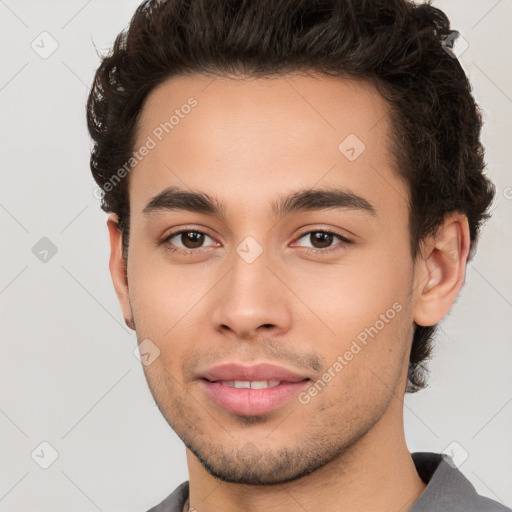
x,y
448,490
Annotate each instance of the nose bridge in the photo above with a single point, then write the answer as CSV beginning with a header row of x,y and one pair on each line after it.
x,y
251,282
251,275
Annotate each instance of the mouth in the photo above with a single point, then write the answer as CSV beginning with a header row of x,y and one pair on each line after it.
x,y
251,390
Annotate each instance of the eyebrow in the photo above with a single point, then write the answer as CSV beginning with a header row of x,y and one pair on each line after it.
x,y
174,198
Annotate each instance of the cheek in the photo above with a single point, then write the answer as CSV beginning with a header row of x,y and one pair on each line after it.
x,y
163,295
352,295
363,322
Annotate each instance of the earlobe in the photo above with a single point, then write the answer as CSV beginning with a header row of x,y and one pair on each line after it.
x,y
118,270
440,270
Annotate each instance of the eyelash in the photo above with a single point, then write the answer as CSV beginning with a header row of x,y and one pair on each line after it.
x,y
191,252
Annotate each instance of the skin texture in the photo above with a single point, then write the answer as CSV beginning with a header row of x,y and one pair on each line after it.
x,y
246,143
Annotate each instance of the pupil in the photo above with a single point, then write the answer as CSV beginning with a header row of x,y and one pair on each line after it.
x,y
192,235
323,238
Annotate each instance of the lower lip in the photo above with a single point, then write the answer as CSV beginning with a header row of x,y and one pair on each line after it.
x,y
252,401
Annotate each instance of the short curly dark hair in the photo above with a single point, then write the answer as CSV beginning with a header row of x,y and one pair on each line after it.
x,y
404,49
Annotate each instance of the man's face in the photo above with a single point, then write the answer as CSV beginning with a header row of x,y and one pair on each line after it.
x,y
255,284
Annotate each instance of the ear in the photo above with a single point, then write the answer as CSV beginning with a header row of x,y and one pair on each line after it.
x,y
118,270
440,270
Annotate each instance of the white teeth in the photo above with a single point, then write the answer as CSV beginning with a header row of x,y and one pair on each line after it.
x,y
261,384
247,384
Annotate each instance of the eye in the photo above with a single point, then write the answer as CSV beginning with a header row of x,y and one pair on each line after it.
x,y
191,241
322,240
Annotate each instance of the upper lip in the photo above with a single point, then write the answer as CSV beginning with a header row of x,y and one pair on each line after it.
x,y
256,372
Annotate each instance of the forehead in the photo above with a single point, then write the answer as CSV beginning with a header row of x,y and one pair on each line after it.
x,y
240,138
314,104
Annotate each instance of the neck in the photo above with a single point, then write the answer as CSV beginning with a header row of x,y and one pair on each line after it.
x,y
376,473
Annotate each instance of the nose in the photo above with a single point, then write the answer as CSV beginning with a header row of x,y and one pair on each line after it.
x,y
252,299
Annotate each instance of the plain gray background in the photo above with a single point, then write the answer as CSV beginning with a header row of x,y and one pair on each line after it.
x,y
68,374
